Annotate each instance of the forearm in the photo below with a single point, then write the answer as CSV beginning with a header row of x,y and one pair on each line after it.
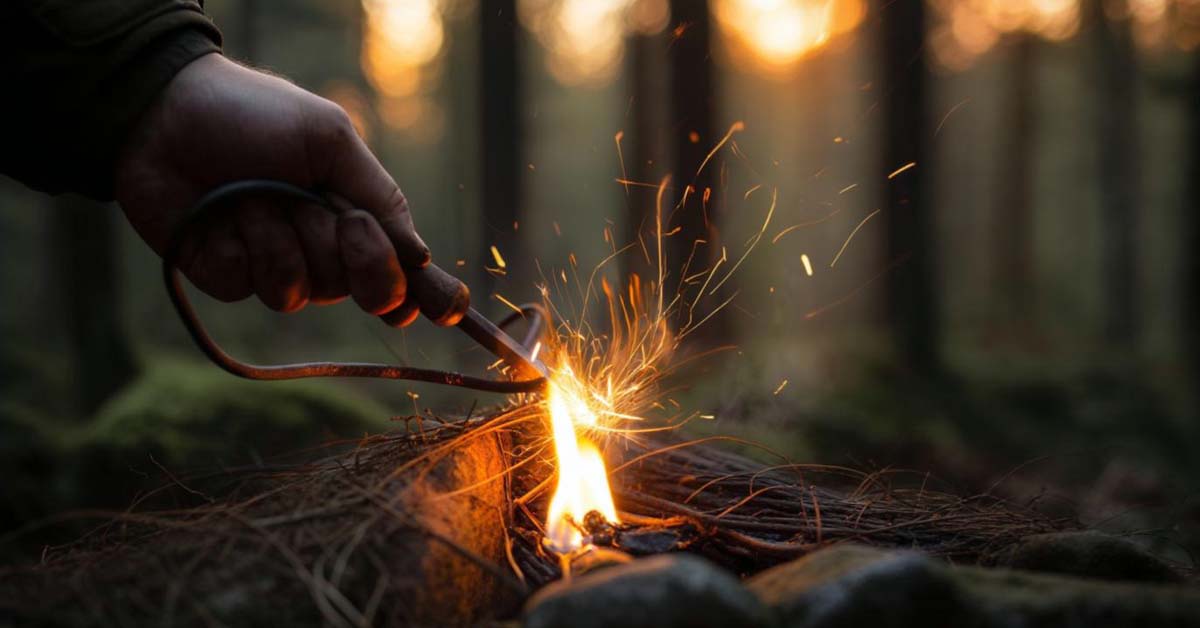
x,y
79,74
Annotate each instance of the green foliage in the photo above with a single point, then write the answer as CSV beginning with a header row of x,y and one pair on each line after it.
x,y
188,417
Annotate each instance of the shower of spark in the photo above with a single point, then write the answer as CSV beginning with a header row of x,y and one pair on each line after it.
x,y
610,351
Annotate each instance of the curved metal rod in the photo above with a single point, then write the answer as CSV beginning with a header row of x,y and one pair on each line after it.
x,y
535,314
191,321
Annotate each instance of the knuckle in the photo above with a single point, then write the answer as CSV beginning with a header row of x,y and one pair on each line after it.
x,y
335,125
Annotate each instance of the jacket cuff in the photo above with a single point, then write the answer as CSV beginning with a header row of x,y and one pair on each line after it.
x,y
125,96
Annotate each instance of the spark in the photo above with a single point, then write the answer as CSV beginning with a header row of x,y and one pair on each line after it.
x,y
499,297
849,295
847,188
908,166
620,157
948,114
496,256
637,184
734,128
851,237
802,225
612,344
807,264
753,241
782,385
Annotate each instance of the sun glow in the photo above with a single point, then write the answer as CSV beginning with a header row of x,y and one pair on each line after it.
x,y
584,40
778,33
402,48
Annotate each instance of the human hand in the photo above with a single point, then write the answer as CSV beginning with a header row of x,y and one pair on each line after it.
x,y
217,122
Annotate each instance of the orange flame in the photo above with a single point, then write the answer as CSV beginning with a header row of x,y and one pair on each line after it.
x,y
582,477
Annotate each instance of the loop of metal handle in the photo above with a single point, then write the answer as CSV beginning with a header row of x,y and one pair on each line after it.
x,y
534,314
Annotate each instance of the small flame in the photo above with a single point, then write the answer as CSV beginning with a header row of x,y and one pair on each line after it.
x,y
582,477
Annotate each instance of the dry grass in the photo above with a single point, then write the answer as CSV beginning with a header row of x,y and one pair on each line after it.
x,y
446,518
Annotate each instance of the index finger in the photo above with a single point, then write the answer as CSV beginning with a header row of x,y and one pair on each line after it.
x,y
353,172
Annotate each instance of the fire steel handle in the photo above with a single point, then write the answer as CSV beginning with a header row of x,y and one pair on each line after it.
x,y
442,298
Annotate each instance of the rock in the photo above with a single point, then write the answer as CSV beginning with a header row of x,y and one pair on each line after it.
x,y
668,591
852,585
597,558
1089,554
1007,597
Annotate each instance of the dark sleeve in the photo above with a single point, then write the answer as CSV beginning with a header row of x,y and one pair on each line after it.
x,y
78,73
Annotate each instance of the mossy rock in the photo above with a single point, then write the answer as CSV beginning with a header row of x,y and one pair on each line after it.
x,y
186,418
849,585
1090,554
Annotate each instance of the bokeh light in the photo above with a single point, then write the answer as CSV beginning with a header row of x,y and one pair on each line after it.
x,y
773,35
584,40
962,30
402,47
1161,25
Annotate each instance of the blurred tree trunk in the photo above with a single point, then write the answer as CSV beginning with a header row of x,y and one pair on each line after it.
x,y
503,160
1191,229
693,134
83,241
248,29
911,293
1115,66
1013,231
645,155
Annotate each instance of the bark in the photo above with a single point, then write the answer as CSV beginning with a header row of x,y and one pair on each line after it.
x,y
911,291
84,243
503,157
